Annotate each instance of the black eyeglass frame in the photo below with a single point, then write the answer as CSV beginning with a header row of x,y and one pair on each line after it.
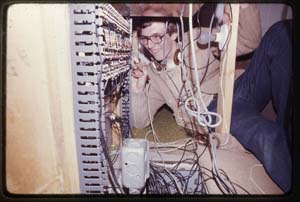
x,y
155,39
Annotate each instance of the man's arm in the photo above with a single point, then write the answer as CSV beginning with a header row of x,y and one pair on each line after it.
x,y
145,98
141,105
249,30
139,117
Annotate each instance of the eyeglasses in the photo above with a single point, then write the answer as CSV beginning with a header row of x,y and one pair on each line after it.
x,y
155,38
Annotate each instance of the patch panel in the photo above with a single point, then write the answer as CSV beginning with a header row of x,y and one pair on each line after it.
x,y
101,54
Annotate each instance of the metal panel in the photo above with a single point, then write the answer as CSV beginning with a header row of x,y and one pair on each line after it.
x,y
101,54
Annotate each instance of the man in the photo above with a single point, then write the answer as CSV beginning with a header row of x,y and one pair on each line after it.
x,y
168,81
163,51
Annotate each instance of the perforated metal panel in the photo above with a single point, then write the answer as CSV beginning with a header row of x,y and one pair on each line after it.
x,y
101,50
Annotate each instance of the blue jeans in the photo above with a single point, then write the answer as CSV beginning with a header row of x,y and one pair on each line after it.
x,y
268,77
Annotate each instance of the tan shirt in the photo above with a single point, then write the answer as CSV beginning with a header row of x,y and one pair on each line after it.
x,y
173,87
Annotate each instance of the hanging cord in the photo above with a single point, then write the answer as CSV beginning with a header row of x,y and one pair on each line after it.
x,y
111,171
164,61
218,177
251,177
203,116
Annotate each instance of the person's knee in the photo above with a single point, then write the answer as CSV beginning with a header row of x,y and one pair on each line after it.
x,y
283,24
281,29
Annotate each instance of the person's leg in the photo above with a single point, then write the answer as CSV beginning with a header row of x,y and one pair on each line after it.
x,y
265,139
267,78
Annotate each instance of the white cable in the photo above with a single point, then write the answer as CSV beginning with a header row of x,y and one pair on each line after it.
x,y
176,147
185,72
184,69
214,164
150,117
150,131
252,180
201,116
219,12
155,137
194,55
214,161
117,187
176,142
164,61
205,114
178,33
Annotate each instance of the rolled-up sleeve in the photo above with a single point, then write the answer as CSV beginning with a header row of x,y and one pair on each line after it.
x,y
139,117
249,31
145,105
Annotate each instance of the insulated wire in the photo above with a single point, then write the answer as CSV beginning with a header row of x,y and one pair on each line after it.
x,y
101,136
201,116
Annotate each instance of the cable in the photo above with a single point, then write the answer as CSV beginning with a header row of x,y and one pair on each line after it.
x,y
156,139
164,60
205,66
177,186
201,116
209,50
252,180
176,147
111,172
194,168
218,177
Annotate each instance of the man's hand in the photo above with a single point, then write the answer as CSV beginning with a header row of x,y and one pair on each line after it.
x,y
139,76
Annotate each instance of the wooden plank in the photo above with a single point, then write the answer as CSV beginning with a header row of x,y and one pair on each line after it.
x,y
40,139
227,68
56,36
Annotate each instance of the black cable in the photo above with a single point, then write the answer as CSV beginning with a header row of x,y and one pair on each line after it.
x,y
184,180
172,180
118,132
227,178
180,160
104,145
157,182
192,172
199,67
198,167
241,188
115,86
154,180
190,42
101,134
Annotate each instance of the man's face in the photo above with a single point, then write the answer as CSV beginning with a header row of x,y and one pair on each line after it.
x,y
157,33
